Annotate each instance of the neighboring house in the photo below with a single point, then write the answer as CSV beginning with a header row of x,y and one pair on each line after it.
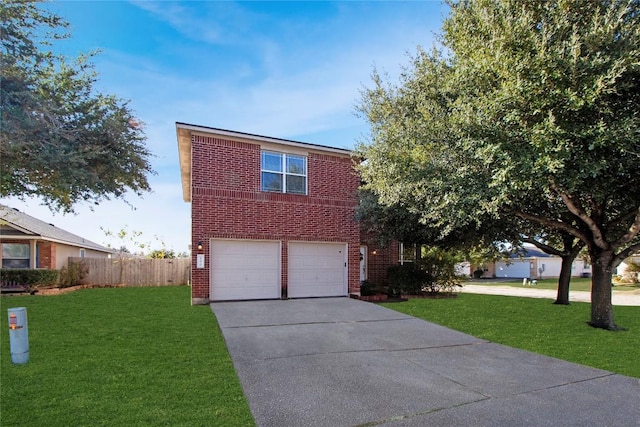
x,y
271,218
625,271
27,242
534,264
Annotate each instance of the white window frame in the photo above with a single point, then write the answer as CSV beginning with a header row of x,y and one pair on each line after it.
x,y
283,172
401,249
83,253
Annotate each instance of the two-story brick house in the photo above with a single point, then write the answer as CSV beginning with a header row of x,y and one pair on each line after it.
x,y
270,218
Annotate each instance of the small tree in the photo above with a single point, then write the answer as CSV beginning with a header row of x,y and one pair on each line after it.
x,y
124,236
163,252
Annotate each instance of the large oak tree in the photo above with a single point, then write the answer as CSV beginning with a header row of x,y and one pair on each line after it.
x,y
524,105
60,139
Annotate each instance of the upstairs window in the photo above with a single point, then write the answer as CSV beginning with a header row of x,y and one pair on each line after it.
x,y
283,173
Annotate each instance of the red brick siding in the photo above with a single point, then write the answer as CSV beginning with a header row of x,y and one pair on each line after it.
x,y
379,258
226,202
47,255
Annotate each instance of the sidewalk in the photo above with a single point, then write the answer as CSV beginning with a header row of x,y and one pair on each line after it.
x,y
618,297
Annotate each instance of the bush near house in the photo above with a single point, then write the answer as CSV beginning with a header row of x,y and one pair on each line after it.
x,y
406,279
433,273
72,274
369,288
29,280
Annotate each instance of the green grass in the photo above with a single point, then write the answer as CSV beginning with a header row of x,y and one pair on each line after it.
x,y
538,326
120,357
577,284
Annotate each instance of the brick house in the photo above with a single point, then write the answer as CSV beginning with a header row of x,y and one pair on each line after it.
x,y
271,218
27,242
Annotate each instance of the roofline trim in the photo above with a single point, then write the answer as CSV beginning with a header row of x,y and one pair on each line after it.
x,y
64,242
260,138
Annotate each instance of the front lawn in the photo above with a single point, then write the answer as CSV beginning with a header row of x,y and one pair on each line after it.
x,y
120,357
537,325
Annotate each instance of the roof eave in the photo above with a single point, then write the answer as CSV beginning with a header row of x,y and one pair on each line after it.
x,y
184,154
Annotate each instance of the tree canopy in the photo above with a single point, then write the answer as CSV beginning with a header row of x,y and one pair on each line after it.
x,y
525,110
60,139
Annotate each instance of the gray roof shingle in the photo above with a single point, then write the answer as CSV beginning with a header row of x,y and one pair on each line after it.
x,y
37,228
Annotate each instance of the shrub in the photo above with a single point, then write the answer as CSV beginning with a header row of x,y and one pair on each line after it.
x,y
478,273
406,279
368,288
433,272
30,280
72,274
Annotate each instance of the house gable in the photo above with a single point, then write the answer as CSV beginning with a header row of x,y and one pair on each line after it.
x,y
188,134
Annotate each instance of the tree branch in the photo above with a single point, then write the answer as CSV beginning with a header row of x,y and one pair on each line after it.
x,y
598,238
622,218
625,254
543,247
553,224
633,231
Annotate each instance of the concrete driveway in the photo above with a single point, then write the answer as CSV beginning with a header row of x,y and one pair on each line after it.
x,y
342,362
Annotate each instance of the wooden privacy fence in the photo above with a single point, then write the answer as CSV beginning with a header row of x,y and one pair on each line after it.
x,y
135,271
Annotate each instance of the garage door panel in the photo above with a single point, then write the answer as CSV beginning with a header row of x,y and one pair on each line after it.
x,y
517,269
256,292
245,269
317,269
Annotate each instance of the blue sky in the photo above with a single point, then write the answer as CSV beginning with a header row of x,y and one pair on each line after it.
x,y
289,70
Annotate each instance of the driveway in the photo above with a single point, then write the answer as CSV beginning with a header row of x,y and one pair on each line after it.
x,y
343,362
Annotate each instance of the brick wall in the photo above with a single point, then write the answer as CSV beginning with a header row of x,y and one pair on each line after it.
x,y
379,258
226,202
47,255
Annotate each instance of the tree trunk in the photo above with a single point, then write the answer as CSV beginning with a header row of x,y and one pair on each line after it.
x,y
601,307
564,280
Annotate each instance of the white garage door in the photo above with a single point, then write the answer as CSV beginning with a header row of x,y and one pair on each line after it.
x,y
317,269
517,269
245,269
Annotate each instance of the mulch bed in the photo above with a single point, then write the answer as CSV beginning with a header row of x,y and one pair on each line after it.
x,y
386,298
55,291
58,291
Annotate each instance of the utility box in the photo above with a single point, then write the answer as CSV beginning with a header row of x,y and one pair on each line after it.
x,y
18,335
